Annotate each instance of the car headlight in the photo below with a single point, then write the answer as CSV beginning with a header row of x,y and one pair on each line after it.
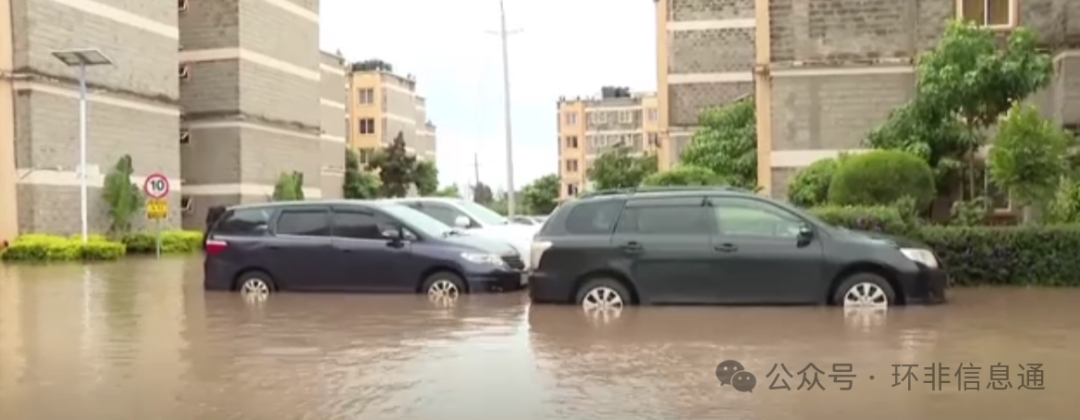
x,y
489,259
922,256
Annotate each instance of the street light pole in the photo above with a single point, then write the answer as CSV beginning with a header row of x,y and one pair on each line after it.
x,y
83,58
506,112
83,212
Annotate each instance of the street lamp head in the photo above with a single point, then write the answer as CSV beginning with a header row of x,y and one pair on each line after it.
x,y
82,56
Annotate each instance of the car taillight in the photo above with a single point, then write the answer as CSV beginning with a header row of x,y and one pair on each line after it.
x,y
214,247
536,251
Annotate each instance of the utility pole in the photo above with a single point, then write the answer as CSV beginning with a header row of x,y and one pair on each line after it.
x,y
503,35
476,167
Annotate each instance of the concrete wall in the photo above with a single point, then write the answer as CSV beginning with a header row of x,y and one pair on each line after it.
x,y
709,57
333,96
253,103
132,108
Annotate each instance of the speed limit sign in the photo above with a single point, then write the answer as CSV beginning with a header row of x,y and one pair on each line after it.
x,y
156,186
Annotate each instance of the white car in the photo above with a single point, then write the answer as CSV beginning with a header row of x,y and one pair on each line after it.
x,y
475,219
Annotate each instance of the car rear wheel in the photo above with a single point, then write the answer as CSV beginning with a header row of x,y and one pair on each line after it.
x,y
865,290
255,284
602,295
443,285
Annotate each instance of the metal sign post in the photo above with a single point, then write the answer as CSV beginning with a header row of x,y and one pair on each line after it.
x,y
157,188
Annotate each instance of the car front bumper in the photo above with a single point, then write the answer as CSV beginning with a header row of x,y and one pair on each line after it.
x,y
497,281
925,286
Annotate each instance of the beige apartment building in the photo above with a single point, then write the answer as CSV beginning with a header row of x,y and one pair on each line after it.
x,y
221,97
381,105
824,73
590,126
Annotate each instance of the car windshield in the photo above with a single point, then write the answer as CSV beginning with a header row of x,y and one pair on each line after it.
x,y
483,214
416,220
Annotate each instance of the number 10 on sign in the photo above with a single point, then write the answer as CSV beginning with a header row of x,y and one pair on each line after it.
x,y
156,188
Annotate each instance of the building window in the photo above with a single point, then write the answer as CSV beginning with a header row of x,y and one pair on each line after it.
x,y
654,140
187,204
366,96
571,165
182,5
382,100
571,142
654,114
185,137
992,13
571,189
625,117
365,155
367,126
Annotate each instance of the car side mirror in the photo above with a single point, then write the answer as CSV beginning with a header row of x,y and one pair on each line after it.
x,y
393,233
805,235
462,222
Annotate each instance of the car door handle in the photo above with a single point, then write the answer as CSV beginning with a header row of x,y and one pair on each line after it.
x,y
632,247
726,248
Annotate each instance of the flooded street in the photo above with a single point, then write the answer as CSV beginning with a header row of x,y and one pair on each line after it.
x,y
140,339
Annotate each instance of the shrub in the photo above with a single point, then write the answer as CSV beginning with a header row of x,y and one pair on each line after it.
x,y
37,247
882,177
810,187
172,242
1011,255
888,220
688,175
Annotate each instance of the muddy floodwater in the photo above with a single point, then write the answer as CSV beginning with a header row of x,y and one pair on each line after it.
x,y
141,340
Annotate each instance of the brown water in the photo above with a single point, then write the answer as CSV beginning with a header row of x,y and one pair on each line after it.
x,y
140,340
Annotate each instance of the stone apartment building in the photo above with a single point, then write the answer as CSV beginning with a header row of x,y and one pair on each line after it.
x,y
824,73
133,106
382,104
590,126
222,97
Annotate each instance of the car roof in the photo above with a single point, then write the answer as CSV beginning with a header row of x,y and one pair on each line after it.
x,y
447,200
649,192
279,204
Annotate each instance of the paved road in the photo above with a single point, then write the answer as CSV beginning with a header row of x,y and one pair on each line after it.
x,y
140,339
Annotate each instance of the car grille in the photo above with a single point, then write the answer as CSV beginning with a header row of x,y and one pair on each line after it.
x,y
514,262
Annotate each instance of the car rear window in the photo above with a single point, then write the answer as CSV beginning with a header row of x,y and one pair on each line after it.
x,y
594,218
244,222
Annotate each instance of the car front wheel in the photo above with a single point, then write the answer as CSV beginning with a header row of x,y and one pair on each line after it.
x,y
864,290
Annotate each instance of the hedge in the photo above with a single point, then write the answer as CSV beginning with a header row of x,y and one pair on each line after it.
x,y
1046,255
172,242
37,247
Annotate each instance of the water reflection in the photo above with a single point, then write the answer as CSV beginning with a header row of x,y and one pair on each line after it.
x,y
140,339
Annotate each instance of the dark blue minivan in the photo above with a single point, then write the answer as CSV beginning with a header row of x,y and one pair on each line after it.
x,y
352,246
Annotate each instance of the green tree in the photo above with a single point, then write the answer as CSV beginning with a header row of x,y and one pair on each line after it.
x,y
1029,157
358,184
542,195
620,168
289,187
684,175
726,143
449,191
810,187
122,196
965,84
482,193
882,177
396,168
426,177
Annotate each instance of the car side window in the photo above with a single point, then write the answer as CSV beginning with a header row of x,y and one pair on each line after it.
x,y
746,217
304,222
356,224
665,220
245,222
594,218
444,214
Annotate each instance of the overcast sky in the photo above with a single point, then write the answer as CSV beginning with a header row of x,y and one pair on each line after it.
x,y
565,47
